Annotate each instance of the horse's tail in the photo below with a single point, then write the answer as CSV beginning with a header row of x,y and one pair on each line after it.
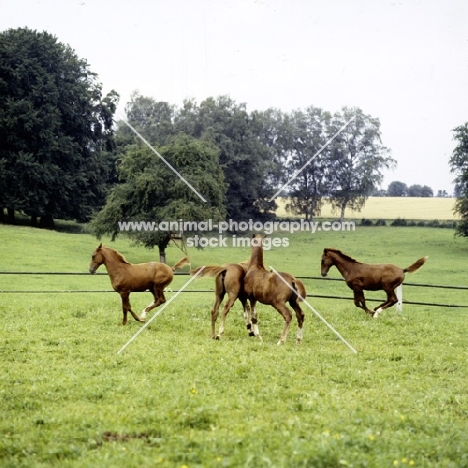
x,y
300,290
208,271
181,263
416,265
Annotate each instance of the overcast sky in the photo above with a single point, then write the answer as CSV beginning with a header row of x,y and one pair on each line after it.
x,y
404,62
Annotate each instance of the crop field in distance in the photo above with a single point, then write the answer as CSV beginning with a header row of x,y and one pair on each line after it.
x,y
392,208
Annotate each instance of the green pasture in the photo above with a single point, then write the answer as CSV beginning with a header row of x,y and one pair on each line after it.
x,y
176,398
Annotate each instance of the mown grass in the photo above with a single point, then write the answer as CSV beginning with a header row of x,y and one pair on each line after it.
x,y
176,398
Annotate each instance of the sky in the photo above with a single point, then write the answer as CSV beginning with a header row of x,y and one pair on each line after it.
x,y
403,62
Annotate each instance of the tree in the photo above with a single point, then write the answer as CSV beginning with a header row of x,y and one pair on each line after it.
x,y
379,193
55,129
357,159
244,154
150,192
397,189
306,137
417,190
426,191
459,166
244,157
153,119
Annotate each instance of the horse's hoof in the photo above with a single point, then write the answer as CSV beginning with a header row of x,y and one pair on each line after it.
x,y
217,338
251,333
298,342
280,343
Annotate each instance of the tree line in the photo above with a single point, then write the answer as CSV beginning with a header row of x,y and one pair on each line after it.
x,y
63,155
400,189
252,155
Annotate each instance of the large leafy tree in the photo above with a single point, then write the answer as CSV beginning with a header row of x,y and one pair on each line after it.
x,y
55,129
306,133
459,166
357,159
244,156
149,191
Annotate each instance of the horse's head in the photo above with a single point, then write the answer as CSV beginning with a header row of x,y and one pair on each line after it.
x,y
327,262
97,259
257,240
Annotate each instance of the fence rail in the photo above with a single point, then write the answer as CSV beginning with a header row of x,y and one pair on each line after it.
x,y
316,278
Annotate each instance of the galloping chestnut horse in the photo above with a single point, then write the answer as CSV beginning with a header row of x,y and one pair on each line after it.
x,y
269,288
230,280
127,277
362,276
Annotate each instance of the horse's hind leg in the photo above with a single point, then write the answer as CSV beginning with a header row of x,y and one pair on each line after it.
x,y
253,311
219,296
232,298
391,300
300,320
300,316
286,313
247,318
159,299
215,313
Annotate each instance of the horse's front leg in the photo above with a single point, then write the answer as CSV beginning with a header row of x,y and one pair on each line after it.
x,y
126,307
360,301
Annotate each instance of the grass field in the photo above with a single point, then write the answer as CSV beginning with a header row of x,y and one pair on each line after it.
x,y
175,398
393,208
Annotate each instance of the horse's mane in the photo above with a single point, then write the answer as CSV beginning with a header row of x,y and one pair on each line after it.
x,y
341,254
246,263
116,255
